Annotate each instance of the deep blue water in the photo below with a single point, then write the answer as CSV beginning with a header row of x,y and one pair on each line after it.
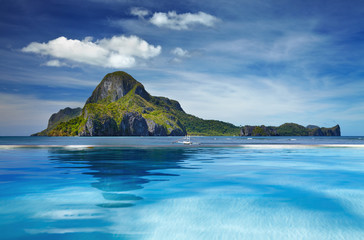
x,y
149,188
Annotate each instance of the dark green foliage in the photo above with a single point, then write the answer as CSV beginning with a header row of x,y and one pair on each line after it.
x,y
292,129
69,128
198,126
289,129
166,103
259,131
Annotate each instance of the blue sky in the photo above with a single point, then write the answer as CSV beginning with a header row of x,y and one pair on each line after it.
x,y
244,62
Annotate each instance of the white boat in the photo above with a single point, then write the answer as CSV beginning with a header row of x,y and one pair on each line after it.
x,y
186,140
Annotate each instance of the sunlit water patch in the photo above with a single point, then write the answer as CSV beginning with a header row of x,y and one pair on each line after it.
x,y
182,193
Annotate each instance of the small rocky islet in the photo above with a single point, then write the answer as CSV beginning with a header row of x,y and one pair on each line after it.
x,y
120,106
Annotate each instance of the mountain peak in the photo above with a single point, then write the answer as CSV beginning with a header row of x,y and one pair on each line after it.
x,y
114,86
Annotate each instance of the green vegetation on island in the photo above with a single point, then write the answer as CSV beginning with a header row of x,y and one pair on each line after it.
x,y
290,129
201,127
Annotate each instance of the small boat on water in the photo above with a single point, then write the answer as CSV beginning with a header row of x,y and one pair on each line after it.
x,y
186,140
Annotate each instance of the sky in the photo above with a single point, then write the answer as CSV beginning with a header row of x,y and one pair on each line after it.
x,y
240,61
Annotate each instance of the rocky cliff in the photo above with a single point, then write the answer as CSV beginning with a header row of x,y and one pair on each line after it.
x,y
120,106
334,131
290,129
115,86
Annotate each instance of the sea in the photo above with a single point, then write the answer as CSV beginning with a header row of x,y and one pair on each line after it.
x,y
250,188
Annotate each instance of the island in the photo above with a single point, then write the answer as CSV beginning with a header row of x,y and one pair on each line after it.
x,y
120,106
290,129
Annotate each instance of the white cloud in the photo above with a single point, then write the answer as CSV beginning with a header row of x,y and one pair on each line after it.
x,y
183,21
115,52
179,52
139,12
54,63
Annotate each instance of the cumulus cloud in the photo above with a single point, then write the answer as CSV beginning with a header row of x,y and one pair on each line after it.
x,y
183,21
179,52
139,12
115,52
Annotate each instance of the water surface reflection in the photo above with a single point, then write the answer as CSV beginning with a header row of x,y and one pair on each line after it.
x,y
119,171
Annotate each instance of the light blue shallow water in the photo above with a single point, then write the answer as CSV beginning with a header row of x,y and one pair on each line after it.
x,y
263,191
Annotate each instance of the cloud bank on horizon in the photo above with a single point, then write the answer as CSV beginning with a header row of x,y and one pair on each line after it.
x,y
239,61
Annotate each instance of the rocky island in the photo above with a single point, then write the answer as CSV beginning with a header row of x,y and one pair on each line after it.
x,y
290,129
120,106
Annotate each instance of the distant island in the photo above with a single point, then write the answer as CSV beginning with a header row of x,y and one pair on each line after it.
x,y
290,129
120,106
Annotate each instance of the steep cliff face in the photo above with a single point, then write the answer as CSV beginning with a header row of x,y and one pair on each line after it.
x,y
334,131
156,129
99,126
115,86
290,129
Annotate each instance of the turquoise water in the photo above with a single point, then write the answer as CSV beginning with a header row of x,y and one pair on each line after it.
x,y
149,188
